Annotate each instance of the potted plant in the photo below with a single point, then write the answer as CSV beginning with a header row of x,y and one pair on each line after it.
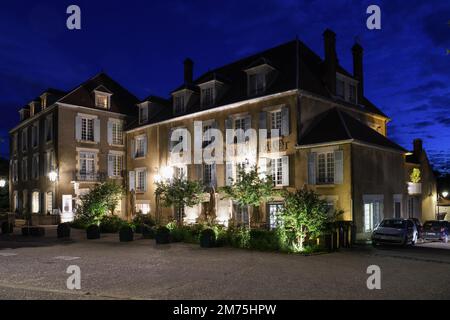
x,y
207,238
126,233
93,232
162,235
63,230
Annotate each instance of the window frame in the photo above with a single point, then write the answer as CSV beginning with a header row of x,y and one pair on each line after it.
x,y
328,177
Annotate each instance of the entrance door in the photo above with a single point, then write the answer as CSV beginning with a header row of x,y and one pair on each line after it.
x,y
373,212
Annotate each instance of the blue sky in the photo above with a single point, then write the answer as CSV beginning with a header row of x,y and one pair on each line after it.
x,y
142,45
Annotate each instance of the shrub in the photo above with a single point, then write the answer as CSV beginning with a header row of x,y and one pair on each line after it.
x,y
178,234
221,235
7,227
126,233
79,223
208,238
162,235
93,232
63,230
142,219
148,232
263,240
111,224
239,237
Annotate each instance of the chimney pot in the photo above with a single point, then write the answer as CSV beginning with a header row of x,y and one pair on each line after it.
x,y
331,61
357,52
418,146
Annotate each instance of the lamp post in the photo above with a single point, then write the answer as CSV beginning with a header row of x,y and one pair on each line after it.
x,y
444,195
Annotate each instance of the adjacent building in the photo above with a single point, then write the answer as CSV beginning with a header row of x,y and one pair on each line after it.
x,y
323,133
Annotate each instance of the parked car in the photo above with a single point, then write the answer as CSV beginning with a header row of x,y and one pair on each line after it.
x,y
395,231
436,230
419,227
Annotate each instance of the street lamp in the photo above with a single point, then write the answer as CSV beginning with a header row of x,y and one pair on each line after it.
x,y
53,175
167,173
2,183
444,194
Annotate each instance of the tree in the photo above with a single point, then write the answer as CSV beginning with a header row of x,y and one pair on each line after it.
x,y
178,192
250,189
304,214
415,175
101,200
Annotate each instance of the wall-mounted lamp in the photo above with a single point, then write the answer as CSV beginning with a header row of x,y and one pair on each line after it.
x,y
444,194
53,176
2,183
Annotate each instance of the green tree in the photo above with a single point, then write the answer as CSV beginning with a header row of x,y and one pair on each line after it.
x,y
178,192
99,201
250,189
304,214
415,175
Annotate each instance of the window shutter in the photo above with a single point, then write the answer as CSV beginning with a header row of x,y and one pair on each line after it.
x,y
228,173
133,148
228,123
110,132
145,179
263,120
145,145
312,168
97,130
132,180
110,165
77,128
338,167
285,121
213,175
285,169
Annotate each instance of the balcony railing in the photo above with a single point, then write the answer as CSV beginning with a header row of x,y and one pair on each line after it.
x,y
414,188
89,176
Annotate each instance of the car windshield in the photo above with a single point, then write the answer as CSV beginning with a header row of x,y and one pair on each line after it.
x,y
397,224
433,225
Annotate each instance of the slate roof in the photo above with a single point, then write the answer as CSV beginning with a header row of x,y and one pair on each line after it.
x,y
283,58
337,125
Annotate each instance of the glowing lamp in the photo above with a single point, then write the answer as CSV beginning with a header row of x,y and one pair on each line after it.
x,y
53,175
444,194
167,172
2,183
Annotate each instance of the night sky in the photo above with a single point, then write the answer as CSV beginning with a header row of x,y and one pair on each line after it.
x,y
142,44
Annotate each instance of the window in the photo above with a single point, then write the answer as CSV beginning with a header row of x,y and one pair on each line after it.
x,y
35,166
239,124
257,83
25,201
24,169
240,214
35,202
24,139
274,210
87,165
102,100
49,162
35,135
207,96
115,165
117,133
15,169
179,106
277,171
325,168
49,202
207,136
140,147
143,114
239,167
49,128
340,88
141,180
275,120
87,129
180,172
14,143
372,215
143,208
15,201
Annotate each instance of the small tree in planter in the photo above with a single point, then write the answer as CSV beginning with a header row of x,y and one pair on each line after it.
x,y
208,238
304,214
179,192
162,235
63,230
93,232
98,202
250,190
126,233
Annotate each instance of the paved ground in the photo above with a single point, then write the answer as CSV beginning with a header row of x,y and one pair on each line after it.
x,y
142,270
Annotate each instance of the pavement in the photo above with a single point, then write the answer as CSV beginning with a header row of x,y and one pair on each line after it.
x,y
36,268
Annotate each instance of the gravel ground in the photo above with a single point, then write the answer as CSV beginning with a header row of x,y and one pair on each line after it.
x,y
36,269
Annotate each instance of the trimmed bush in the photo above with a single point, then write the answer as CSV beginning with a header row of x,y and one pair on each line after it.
x,y
207,238
111,224
162,235
126,234
239,237
79,224
93,232
148,232
142,219
263,240
63,230
7,227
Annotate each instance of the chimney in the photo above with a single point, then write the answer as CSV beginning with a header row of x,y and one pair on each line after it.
x,y
331,62
357,52
188,70
417,143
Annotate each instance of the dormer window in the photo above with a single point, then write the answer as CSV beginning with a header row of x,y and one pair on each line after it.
x,y
44,102
143,113
102,100
179,106
207,97
346,88
256,83
258,77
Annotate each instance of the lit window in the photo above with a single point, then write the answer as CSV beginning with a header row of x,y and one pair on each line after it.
x,y
116,165
87,166
207,173
325,166
274,211
140,147
143,208
277,171
141,180
49,202
87,129
102,100
35,202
